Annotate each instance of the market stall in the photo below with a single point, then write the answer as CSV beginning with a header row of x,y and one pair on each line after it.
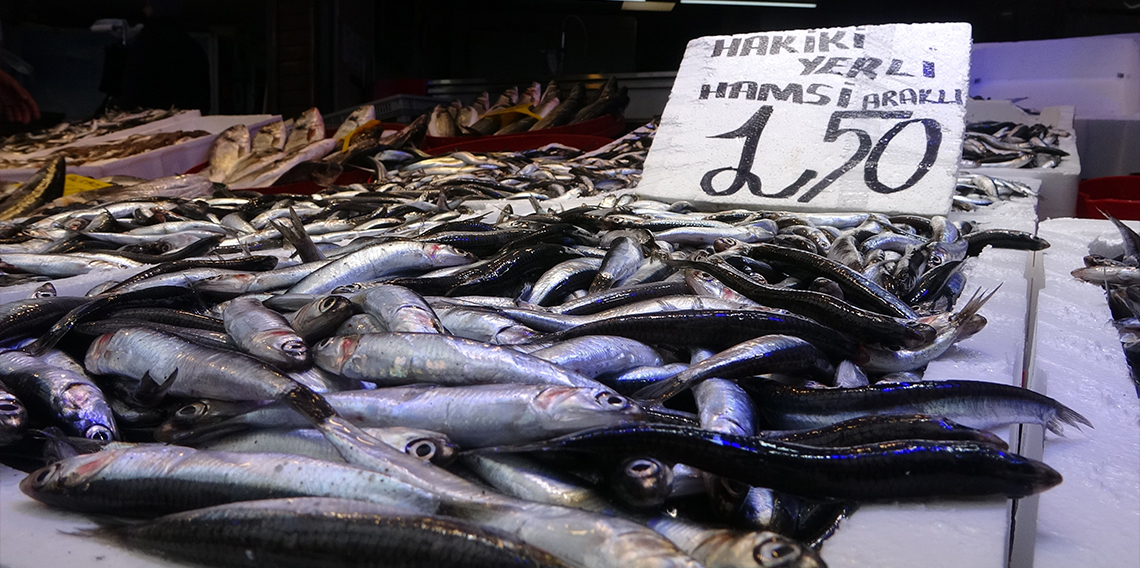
x,y
745,334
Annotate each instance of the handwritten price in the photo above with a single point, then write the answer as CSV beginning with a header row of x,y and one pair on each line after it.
x,y
751,130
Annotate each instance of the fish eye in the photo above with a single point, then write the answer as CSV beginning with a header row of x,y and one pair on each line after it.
x,y
46,473
773,553
608,398
100,433
641,468
423,449
327,303
8,407
195,409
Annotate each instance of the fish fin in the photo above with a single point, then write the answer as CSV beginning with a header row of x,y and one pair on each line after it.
x,y
149,392
1066,415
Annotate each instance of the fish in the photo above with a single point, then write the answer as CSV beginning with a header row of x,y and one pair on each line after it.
x,y
325,531
976,404
13,418
68,396
226,151
44,186
151,480
898,470
470,416
265,334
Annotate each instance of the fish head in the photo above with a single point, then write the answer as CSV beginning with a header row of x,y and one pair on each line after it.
x,y
1025,476
86,410
203,419
54,483
333,304
643,482
579,408
446,255
332,353
13,415
295,351
761,549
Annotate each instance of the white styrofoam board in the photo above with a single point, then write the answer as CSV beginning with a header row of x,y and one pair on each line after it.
x,y
951,534
1058,192
1093,517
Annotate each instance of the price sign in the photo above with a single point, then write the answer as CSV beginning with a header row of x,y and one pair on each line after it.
x,y
864,118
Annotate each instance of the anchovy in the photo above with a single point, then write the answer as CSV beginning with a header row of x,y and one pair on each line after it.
x,y
909,469
829,311
339,533
482,324
884,428
717,329
596,355
621,261
472,417
1005,239
265,334
602,301
724,548
67,395
423,444
527,479
377,261
398,309
199,372
153,480
321,317
766,354
237,283
854,285
403,358
976,404
563,278
13,418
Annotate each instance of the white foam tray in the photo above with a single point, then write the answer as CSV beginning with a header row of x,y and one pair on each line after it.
x,y
1093,517
170,160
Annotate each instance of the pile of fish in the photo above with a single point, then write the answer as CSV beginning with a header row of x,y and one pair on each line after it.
x,y
66,133
978,190
114,150
381,370
1120,278
536,109
995,144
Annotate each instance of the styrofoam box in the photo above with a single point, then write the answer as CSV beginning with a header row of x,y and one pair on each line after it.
x,y
1058,185
1098,75
171,160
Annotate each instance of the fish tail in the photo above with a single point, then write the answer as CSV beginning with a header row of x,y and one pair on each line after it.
x,y
1065,415
976,302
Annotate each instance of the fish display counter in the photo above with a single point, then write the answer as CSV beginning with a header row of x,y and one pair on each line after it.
x,y
517,347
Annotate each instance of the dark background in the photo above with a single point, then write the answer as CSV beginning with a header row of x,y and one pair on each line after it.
x,y
282,56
